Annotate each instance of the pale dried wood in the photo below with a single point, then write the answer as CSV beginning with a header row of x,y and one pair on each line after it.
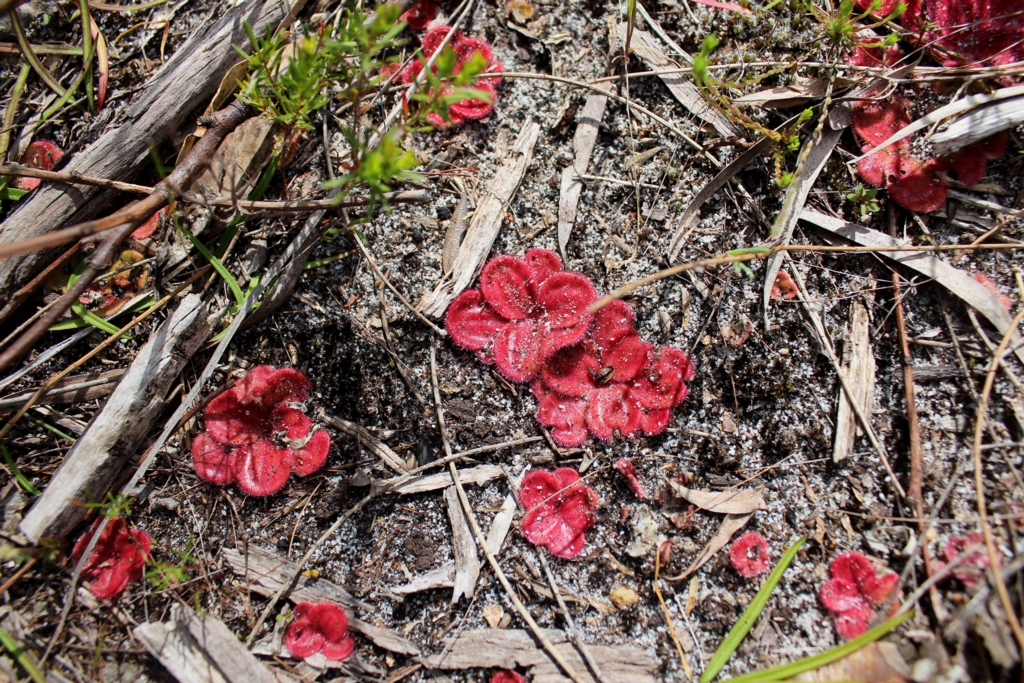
x,y
511,648
583,143
859,371
979,124
74,389
457,226
467,562
190,77
501,525
434,482
956,281
95,460
267,572
375,445
442,577
198,649
737,502
485,224
649,49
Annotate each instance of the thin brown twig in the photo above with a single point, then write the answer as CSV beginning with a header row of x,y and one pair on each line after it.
x,y
412,309
482,540
979,484
25,292
668,615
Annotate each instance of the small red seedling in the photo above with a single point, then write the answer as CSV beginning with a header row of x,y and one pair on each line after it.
x,y
559,510
506,676
626,469
854,591
525,311
319,627
419,15
465,48
244,425
611,381
784,287
971,570
41,154
749,555
117,559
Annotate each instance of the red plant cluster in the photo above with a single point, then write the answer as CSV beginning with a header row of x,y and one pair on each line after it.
x,y
41,154
419,15
243,425
971,569
559,510
854,591
784,287
525,311
749,555
319,627
914,184
117,559
465,48
592,374
506,676
611,380
626,469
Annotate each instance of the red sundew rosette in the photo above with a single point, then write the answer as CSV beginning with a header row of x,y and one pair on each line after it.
x,y
749,555
237,446
526,310
611,381
41,154
854,591
117,559
560,508
968,32
319,627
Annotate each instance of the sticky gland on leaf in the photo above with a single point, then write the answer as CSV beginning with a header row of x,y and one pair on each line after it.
x,y
117,559
255,439
526,310
560,508
854,591
41,154
749,555
319,627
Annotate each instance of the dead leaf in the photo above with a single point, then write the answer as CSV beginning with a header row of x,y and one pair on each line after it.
x,y
645,532
873,663
738,502
622,596
641,158
493,615
691,598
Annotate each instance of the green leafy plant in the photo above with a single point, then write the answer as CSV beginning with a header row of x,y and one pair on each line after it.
x,y
864,199
164,575
116,505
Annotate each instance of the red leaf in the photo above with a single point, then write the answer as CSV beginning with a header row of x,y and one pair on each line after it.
x,y
469,46
610,320
117,559
285,385
854,622
537,487
474,109
232,422
518,350
626,469
840,595
566,416
610,409
339,650
289,421
41,154
435,36
507,285
654,422
915,186
262,469
663,384
419,15
471,323
312,456
876,168
571,371
565,298
506,676
875,122
212,462
560,508
543,263
626,355
302,639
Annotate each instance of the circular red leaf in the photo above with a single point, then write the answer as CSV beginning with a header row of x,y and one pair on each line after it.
x,y
507,287
612,408
571,372
289,421
537,487
543,263
262,469
471,323
212,462
234,423
610,320
302,639
518,350
312,456
626,354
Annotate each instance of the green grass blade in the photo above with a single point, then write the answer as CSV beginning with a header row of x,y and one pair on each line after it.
x,y
740,629
236,291
785,671
95,320
21,654
18,474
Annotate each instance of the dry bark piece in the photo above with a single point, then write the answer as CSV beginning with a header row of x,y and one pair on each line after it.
x,y
190,76
649,49
737,502
859,371
442,577
93,463
198,649
467,562
583,143
454,234
501,524
434,482
979,124
484,226
956,281
74,389
266,572
512,648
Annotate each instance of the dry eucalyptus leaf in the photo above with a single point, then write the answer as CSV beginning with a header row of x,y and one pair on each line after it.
x,y
730,525
738,502
521,10
493,615
873,663
623,597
